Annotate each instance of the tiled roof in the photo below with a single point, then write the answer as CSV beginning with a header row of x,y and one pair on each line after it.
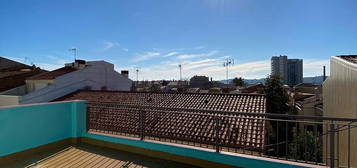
x,y
237,130
229,102
14,77
53,74
350,58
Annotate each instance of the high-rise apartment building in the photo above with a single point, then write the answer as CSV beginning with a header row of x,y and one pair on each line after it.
x,y
290,70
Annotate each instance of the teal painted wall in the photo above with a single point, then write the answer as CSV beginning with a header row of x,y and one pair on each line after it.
x,y
29,126
193,153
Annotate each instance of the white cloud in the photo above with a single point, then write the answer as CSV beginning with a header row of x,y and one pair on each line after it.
x,y
190,56
49,67
313,67
108,45
146,56
171,54
213,68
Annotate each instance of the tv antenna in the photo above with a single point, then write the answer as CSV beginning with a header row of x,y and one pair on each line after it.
x,y
74,50
227,63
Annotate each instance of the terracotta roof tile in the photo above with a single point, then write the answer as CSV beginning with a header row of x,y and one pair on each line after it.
x,y
53,74
236,130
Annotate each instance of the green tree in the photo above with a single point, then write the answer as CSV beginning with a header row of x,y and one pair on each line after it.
x,y
305,146
239,81
276,97
276,102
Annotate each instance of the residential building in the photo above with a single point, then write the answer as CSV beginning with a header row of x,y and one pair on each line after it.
x,y
14,74
340,97
295,72
290,70
7,63
279,67
94,75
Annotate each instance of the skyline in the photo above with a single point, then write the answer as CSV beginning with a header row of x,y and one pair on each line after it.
x,y
158,36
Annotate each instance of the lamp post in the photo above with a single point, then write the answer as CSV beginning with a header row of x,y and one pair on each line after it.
x,y
180,67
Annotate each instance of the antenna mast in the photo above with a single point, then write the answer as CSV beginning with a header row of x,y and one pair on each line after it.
x,y
74,50
227,63
137,75
180,67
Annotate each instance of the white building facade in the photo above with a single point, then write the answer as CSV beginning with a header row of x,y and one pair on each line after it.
x,y
93,75
340,100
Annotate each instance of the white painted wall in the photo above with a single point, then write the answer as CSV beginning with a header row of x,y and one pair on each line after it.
x,y
340,100
97,75
7,100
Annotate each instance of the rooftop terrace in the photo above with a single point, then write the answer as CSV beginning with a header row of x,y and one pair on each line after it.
x,y
28,129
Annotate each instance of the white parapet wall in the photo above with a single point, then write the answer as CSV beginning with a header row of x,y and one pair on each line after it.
x,y
7,100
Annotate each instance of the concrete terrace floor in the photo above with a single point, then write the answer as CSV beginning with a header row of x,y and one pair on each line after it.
x,y
90,156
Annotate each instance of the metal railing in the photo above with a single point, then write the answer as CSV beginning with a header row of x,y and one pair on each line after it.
x,y
311,139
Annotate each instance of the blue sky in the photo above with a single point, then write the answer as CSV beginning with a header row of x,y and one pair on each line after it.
x,y
157,35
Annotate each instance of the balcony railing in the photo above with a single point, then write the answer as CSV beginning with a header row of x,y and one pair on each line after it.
x,y
310,139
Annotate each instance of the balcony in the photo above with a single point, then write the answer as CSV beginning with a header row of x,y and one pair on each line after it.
x,y
63,133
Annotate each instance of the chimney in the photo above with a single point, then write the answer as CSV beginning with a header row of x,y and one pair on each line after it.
x,y
125,73
324,73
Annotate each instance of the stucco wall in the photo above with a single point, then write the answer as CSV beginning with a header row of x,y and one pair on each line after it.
x,y
28,126
340,100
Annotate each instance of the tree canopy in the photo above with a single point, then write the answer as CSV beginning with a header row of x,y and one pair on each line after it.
x,y
276,97
239,81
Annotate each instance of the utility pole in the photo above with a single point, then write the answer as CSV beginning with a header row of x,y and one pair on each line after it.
x,y
180,67
227,63
74,50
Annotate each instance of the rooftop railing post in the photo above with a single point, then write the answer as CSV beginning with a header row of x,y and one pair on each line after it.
x,y
216,119
142,122
332,145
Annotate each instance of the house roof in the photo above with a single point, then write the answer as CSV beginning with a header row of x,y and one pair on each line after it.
x,y
53,74
241,130
350,58
16,76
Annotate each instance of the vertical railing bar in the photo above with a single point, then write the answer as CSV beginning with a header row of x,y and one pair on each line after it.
x,y
277,138
286,139
349,146
296,144
87,119
305,144
141,124
316,143
217,133
326,144
338,145
332,145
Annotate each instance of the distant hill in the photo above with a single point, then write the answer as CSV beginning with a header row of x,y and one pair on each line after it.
x,y
316,80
